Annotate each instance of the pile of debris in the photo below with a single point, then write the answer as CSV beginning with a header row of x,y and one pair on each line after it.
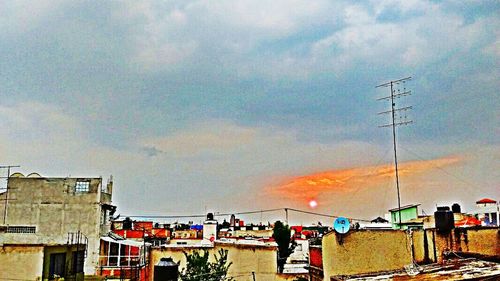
x,y
453,269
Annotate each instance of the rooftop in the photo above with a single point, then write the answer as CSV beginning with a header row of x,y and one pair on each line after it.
x,y
404,207
456,269
486,201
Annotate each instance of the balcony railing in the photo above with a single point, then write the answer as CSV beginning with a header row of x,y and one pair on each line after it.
x,y
119,260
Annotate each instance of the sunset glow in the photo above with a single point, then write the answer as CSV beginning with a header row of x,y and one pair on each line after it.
x,y
303,188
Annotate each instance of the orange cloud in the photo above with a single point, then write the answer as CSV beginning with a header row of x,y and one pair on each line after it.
x,y
307,187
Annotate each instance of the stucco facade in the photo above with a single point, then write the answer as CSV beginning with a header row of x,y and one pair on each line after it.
x,y
45,210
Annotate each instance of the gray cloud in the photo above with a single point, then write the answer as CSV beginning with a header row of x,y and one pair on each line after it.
x,y
215,97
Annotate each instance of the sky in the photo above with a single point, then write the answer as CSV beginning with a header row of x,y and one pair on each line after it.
x,y
230,106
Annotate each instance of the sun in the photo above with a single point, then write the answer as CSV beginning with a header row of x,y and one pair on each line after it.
x,y
313,204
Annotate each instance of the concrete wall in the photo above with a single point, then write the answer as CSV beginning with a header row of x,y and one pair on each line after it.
x,y
55,208
482,241
245,258
485,241
21,262
423,246
365,251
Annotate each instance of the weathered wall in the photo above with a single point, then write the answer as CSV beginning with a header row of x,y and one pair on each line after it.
x,y
21,262
365,251
245,258
483,241
423,246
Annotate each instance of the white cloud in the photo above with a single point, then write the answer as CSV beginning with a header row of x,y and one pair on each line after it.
x,y
403,6
412,42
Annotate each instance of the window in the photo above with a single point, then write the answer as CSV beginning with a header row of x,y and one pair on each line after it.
x,y
104,217
21,229
57,265
82,186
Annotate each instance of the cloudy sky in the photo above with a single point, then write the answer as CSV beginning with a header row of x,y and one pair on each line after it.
x,y
245,105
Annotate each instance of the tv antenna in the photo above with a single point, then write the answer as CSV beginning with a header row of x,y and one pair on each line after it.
x,y
399,117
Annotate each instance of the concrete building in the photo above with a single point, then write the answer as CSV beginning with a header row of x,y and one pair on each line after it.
x,y
45,212
487,211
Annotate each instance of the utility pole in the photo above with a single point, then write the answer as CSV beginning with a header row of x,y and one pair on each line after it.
x,y
398,90
8,167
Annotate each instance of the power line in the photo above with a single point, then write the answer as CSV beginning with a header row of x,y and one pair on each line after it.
x,y
325,215
444,171
240,213
217,214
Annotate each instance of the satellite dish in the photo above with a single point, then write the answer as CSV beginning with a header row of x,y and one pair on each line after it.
x,y
341,225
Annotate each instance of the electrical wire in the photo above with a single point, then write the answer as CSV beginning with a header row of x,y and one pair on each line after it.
x,y
468,185
325,215
242,213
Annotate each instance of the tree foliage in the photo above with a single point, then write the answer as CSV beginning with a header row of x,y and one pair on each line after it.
x,y
199,268
282,236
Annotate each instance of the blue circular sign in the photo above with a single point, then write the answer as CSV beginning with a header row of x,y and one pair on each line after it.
x,y
341,225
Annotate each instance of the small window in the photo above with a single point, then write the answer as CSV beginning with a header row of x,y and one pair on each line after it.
x,y
21,229
82,186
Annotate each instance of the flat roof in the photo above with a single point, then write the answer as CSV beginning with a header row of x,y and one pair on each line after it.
x,y
404,207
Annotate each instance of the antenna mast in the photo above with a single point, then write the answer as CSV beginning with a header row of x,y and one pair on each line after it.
x,y
398,90
8,167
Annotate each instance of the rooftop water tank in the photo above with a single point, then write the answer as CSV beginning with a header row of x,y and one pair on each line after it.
x,y
455,208
166,270
210,217
444,220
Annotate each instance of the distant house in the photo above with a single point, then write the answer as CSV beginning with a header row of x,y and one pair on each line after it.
x,y
407,213
379,220
487,211
377,223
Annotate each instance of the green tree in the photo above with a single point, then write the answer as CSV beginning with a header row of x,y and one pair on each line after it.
x,y
282,236
199,268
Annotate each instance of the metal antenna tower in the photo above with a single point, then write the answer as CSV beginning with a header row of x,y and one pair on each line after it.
x,y
8,167
398,90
